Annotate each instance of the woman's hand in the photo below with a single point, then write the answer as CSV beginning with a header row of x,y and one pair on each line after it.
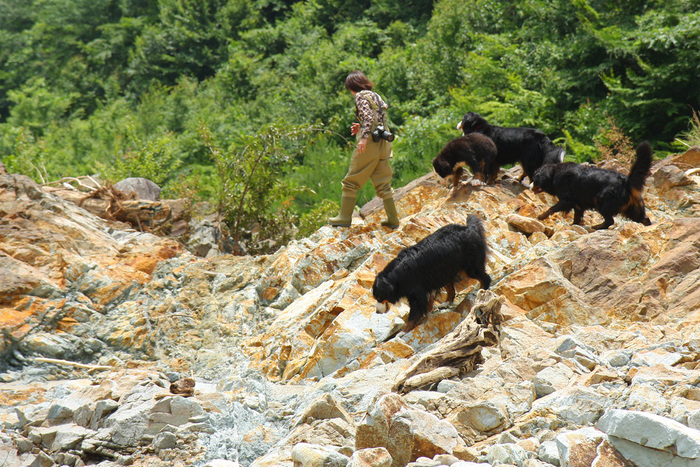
x,y
361,145
354,128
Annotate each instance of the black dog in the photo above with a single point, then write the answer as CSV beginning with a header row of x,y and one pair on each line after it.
x,y
474,150
529,146
580,187
419,271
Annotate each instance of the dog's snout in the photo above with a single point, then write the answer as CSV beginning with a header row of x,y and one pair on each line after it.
x,y
459,126
381,307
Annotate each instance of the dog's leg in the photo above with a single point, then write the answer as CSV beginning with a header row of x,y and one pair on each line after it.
x,y
492,176
485,280
478,272
607,222
561,205
578,216
457,178
481,174
419,304
450,292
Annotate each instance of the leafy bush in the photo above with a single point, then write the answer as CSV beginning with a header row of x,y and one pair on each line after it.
x,y
583,127
254,199
690,138
26,155
153,159
311,221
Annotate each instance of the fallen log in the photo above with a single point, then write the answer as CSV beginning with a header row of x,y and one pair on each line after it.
x,y
459,352
82,366
109,203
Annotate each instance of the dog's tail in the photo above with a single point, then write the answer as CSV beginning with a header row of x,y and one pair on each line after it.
x,y
560,155
477,225
553,154
640,169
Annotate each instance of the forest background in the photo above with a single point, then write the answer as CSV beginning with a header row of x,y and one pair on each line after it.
x,y
241,102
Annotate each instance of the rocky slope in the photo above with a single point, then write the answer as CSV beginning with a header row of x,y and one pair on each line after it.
x,y
594,357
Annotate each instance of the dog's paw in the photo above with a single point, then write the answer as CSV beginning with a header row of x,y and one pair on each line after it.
x,y
476,182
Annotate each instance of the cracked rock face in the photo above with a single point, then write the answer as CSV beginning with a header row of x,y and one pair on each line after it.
x,y
599,341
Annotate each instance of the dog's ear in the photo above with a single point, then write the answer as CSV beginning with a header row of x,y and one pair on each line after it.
x,y
543,178
468,123
442,167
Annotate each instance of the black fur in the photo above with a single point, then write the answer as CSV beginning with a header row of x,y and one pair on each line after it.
x,y
581,187
476,151
529,146
420,270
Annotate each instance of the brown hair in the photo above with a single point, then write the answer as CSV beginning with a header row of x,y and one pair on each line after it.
x,y
357,81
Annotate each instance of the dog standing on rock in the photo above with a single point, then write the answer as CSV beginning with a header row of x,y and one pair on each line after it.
x,y
437,261
531,147
476,151
582,186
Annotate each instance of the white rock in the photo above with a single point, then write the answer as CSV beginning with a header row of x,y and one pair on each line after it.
x,y
325,407
164,440
694,419
570,442
507,454
371,457
131,421
655,357
549,452
140,187
69,436
617,358
314,455
578,405
646,457
645,398
485,416
552,379
652,431
221,463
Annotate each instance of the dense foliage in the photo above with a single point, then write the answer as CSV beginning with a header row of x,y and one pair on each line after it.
x,y
169,89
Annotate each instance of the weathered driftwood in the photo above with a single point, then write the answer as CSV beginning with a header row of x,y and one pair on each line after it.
x,y
459,352
183,387
109,203
82,366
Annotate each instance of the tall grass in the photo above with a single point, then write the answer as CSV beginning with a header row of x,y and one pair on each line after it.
x,y
691,137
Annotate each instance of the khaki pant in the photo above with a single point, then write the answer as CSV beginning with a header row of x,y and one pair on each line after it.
x,y
373,164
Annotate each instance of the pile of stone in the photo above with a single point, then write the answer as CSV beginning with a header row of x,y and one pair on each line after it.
x,y
105,329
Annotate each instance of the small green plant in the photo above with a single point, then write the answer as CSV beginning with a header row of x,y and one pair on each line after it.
x,y
253,200
154,159
27,155
317,217
581,128
691,137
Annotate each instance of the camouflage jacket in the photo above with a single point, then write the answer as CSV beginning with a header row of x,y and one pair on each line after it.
x,y
370,110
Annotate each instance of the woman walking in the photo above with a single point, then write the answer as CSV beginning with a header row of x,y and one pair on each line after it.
x,y
370,159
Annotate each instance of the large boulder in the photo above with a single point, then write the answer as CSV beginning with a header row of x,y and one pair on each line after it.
x,y
140,188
